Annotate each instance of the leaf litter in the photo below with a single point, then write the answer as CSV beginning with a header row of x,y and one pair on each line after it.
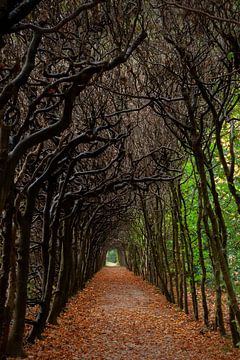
x,y
119,316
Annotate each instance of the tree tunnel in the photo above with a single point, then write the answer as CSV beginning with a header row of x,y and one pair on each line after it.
x,y
118,249
119,129
112,257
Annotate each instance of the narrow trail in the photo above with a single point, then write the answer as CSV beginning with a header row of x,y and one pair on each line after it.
x,y
119,316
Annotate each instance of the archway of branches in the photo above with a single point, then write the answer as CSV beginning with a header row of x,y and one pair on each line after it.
x,y
119,128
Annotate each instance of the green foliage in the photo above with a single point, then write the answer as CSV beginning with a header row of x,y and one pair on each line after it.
x,y
112,256
230,56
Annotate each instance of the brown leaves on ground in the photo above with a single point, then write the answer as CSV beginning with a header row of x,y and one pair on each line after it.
x,y
119,316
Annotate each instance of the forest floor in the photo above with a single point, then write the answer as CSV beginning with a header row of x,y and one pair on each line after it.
x,y
119,316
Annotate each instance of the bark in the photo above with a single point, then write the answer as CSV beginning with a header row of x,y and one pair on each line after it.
x,y
174,251
233,328
219,321
219,312
189,254
41,319
44,313
4,140
122,257
15,342
61,294
5,182
168,270
8,244
201,260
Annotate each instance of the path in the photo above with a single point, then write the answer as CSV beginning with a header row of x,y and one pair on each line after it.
x,y
119,316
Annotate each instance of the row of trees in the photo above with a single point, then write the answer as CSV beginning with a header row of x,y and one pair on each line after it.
x,y
184,228
64,172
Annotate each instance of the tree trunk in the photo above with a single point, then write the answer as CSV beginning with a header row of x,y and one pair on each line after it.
x,y
15,342
201,260
233,328
188,252
61,293
8,244
40,321
5,181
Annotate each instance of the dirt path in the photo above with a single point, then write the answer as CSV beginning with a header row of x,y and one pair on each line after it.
x,y
119,316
